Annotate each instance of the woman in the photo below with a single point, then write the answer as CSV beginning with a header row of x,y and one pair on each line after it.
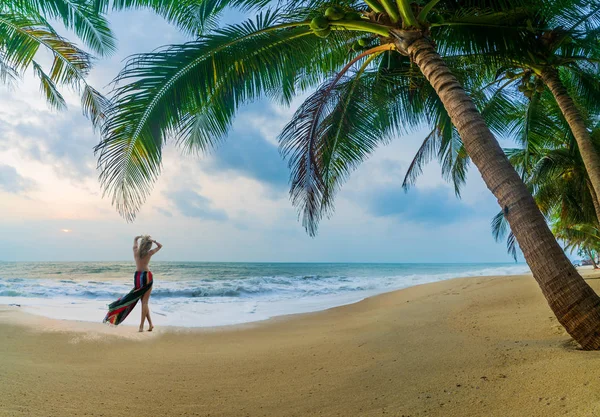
x,y
142,285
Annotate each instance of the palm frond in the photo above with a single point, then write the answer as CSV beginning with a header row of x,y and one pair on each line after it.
x,y
332,132
8,75
500,230
192,91
94,105
22,38
82,17
48,88
425,154
498,31
196,17
583,236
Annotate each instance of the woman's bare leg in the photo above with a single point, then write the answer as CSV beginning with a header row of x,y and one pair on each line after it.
x,y
146,309
143,317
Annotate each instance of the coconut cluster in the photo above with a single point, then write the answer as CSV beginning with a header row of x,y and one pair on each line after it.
x,y
321,25
529,86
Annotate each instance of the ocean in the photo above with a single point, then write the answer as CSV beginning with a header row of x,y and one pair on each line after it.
x,y
203,294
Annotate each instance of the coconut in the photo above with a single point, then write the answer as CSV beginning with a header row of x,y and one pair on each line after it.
x,y
364,41
334,13
322,33
319,23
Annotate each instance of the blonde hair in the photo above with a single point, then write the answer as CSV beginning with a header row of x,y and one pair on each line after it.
x,y
145,246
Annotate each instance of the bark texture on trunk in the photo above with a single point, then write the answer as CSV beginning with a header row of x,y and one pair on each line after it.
x,y
591,255
576,305
594,200
589,153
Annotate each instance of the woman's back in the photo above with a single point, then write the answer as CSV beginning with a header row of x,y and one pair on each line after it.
x,y
141,264
143,252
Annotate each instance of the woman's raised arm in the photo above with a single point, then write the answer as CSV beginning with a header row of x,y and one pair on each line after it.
x,y
135,244
156,249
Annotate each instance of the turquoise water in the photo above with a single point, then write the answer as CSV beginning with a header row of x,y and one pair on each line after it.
x,y
213,294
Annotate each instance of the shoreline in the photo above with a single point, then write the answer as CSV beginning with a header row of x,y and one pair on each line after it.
x,y
462,347
308,306
12,314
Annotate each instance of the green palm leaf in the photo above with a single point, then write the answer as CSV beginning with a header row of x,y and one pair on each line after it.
x,y
191,92
500,230
8,75
53,97
80,16
24,30
194,17
331,133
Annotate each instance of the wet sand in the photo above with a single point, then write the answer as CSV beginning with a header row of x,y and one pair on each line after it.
x,y
465,347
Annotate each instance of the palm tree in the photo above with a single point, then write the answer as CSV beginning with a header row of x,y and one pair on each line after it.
x,y
567,56
190,93
584,237
564,57
552,167
25,29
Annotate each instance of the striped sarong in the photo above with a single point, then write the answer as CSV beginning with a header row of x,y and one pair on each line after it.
x,y
120,309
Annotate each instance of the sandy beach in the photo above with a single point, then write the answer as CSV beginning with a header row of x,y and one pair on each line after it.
x,y
464,347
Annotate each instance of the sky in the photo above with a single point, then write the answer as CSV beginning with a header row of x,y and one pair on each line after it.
x,y
230,205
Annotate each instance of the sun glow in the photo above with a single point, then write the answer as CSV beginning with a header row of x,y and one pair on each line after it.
x,y
65,230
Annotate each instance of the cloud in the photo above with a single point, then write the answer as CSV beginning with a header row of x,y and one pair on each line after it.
x,y
432,206
11,181
192,204
164,212
249,152
63,140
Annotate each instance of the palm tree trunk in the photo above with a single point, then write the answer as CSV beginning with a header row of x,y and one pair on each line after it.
x,y
591,255
589,154
575,304
594,200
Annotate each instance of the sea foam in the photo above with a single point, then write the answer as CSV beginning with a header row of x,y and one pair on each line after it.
x,y
216,294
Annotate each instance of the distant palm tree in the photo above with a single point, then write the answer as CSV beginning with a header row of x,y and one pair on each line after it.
x,y
566,59
552,167
25,29
564,56
191,92
585,237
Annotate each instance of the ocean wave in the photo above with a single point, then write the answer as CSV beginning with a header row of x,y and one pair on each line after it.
x,y
10,293
200,292
209,294
234,284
